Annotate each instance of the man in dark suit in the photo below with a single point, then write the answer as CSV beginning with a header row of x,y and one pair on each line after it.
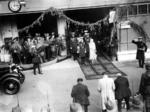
x,y
122,91
80,94
141,49
73,46
144,88
86,37
36,64
82,51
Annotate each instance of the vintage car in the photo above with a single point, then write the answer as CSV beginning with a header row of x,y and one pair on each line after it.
x,y
11,78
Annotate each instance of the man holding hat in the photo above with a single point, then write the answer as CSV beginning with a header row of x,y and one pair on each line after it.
x,y
141,49
122,91
80,94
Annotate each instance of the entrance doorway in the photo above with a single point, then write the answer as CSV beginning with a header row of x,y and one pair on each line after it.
x,y
101,33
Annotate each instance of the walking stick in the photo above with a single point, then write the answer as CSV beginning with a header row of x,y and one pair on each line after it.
x,y
132,89
48,105
17,108
47,108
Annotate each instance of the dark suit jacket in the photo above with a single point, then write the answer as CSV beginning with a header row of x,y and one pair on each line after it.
x,y
82,49
145,84
122,88
80,94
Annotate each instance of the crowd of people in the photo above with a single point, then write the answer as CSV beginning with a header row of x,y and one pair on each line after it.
x,y
110,89
83,47
22,50
115,94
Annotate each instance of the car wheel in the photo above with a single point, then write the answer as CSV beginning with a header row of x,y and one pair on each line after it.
x,y
11,86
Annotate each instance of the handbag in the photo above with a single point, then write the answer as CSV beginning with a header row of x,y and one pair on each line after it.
x,y
109,104
75,107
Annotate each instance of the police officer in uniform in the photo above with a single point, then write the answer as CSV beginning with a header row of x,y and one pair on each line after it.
x,y
141,49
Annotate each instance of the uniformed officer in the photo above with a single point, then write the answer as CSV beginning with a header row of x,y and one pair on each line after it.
x,y
141,49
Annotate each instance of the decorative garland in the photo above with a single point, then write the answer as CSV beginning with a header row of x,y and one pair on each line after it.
x,y
139,30
56,12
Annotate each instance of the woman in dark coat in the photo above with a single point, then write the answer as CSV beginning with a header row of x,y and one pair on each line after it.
x,y
144,88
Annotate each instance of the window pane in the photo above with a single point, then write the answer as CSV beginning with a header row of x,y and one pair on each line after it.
x,y
132,10
122,11
143,9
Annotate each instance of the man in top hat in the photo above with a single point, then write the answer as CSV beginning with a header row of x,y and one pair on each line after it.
x,y
141,49
122,91
144,88
80,94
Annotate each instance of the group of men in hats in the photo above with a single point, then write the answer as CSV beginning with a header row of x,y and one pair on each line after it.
x,y
113,90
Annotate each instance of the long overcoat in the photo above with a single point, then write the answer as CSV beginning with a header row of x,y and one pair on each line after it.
x,y
106,87
82,49
141,49
74,45
145,84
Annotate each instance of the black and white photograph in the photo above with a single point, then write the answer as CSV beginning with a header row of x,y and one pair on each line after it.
x,y
74,55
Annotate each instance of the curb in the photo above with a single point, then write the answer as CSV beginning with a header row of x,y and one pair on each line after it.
x,y
56,60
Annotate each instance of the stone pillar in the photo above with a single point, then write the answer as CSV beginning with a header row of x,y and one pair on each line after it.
x,y
8,31
8,27
61,25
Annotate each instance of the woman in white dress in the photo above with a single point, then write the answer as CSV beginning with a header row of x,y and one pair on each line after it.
x,y
92,48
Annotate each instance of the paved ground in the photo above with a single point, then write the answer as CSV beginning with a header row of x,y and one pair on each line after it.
x,y
57,81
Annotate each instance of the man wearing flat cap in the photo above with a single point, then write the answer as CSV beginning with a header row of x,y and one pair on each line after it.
x,y
80,94
141,49
144,88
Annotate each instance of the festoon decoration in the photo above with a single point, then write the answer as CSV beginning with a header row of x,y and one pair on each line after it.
x,y
60,13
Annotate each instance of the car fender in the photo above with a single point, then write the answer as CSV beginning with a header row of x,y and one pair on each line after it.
x,y
9,78
9,75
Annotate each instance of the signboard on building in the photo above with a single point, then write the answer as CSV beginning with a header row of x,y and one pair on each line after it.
x,y
124,25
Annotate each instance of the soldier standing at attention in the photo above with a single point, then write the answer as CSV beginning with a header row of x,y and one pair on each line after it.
x,y
141,49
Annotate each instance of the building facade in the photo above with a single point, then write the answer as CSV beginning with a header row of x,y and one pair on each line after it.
x,y
140,14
